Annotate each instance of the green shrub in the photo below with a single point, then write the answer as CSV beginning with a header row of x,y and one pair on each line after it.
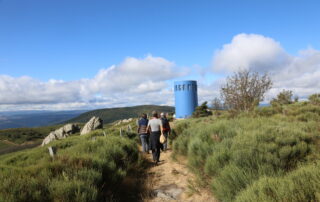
x,y
233,154
283,98
202,111
231,180
302,184
72,190
265,111
84,169
198,151
219,159
315,99
180,145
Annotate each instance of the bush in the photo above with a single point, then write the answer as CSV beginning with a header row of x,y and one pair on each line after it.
x,y
308,116
84,169
244,90
283,98
178,129
202,111
315,99
233,154
266,111
300,185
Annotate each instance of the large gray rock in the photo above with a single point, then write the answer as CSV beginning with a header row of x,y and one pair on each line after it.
x,y
61,133
49,138
94,124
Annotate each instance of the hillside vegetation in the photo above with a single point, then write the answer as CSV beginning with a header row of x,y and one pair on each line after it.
x,y
21,135
16,139
270,154
110,115
85,168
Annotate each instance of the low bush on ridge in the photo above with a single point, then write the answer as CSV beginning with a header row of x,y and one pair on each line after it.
x,y
299,185
85,168
244,156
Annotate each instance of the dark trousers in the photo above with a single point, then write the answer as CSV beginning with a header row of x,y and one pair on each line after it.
x,y
155,145
156,154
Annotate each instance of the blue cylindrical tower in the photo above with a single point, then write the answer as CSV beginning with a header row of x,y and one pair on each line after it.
x,y
186,98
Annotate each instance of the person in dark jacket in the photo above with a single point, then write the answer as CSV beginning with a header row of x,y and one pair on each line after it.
x,y
166,130
143,133
155,126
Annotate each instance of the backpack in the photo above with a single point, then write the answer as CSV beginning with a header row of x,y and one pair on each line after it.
x,y
165,124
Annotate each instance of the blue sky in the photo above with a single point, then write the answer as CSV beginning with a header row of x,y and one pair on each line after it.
x,y
72,40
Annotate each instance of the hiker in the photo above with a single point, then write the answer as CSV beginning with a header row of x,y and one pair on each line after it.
x,y
166,130
155,126
143,133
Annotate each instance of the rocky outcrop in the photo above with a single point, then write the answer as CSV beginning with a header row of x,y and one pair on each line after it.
x,y
94,124
61,133
124,121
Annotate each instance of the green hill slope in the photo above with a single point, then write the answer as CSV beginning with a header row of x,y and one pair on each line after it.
x,y
270,154
85,168
22,138
109,115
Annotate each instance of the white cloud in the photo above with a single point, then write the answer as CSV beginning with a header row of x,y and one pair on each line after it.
x,y
301,75
134,81
250,51
135,75
148,80
259,53
209,91
26,90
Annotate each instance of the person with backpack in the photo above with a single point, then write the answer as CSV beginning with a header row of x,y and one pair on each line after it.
x,y
155,126
166,130
143,132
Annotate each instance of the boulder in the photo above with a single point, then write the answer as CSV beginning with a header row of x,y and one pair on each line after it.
x,y
61,133
124,121
70,128
94,124
49,138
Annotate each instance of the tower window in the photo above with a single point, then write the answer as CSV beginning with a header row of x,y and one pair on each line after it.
x,y
189,86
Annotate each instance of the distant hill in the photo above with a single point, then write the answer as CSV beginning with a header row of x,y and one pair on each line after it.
x,y
110,115
22,119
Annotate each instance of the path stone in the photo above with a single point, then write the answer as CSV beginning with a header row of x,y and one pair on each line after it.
x,y
171,192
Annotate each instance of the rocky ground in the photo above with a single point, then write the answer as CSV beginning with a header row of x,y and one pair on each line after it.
x,y
172,181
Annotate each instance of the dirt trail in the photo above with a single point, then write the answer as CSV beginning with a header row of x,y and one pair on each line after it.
x,y
172,181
